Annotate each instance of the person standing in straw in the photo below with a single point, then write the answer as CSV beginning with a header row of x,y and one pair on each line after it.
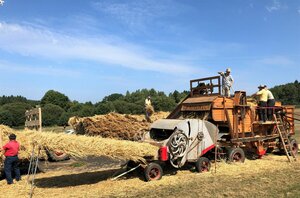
x,y
148,108
11,162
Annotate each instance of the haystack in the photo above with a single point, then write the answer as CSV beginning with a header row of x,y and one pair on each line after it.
x,y
114,125
79,146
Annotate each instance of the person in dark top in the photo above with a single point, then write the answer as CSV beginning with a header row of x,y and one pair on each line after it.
x,y
11,162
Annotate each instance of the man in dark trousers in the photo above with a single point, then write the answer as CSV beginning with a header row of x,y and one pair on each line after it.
x,y
11,162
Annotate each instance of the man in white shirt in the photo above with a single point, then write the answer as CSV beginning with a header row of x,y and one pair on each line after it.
x,y
227,82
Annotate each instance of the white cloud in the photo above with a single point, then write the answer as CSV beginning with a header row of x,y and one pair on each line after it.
x,y
136,13
276,5
40,70
40,42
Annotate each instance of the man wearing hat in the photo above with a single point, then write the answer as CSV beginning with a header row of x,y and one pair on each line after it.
x,y
262,103
11,162
270,103
227,82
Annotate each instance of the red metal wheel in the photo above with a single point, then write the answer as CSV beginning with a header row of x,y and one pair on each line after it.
x,y
236,155
295,147
203,164
153,172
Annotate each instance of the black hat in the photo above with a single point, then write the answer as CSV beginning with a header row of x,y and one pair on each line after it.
x,y
12,136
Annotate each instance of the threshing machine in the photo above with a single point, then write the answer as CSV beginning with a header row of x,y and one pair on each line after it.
x,y
207,125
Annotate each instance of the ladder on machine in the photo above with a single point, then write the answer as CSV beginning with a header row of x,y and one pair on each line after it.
x,y
283,134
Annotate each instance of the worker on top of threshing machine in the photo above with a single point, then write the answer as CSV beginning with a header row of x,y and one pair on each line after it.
x,y
270,103
227,82
149,110
11,161
262,102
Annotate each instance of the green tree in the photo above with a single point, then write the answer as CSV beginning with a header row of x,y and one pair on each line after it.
x,y
6,118
112,97
17,110
56,98
51,114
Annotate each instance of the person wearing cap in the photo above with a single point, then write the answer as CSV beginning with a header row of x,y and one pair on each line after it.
x,y
262,103
227,82
11,162
270,103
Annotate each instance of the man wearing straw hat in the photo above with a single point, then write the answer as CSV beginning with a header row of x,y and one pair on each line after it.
x,y
227,82
11,162
262,103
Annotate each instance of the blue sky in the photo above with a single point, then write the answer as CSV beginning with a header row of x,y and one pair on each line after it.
x,y
90,49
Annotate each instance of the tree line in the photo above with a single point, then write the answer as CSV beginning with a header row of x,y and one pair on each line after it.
x,y
57,108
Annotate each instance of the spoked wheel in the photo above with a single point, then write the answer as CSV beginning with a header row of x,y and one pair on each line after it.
x,y
153,172
236,155
203,164
295,147
177,146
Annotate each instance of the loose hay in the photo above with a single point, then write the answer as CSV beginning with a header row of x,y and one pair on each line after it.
x,y
81,146
23,139
114,125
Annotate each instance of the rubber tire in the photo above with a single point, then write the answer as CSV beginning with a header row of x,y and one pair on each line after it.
x,y
203,164
153,172
56,158
294,145
232,152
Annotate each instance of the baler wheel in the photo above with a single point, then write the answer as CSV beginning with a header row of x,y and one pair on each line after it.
x,y
153,172
236,155
295,147
203,164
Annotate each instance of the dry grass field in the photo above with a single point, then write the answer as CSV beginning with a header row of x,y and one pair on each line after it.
x,y
271,176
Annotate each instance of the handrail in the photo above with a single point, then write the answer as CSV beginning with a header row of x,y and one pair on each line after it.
x,y
205,88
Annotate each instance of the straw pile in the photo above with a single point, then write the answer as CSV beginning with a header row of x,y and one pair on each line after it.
x,y
114,125
80,146
23,139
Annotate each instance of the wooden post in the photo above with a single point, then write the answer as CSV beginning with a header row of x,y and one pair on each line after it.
x,y
40,119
